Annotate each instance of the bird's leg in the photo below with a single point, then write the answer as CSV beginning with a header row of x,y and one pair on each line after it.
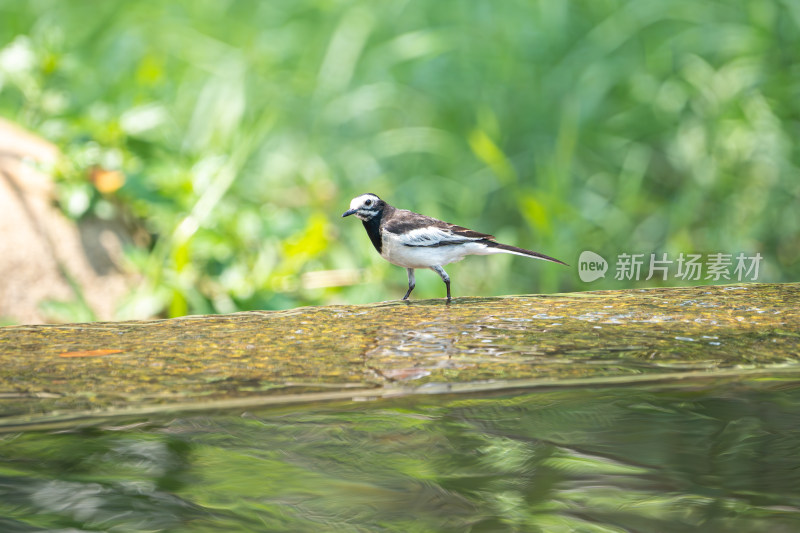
x,y
411,282
439,270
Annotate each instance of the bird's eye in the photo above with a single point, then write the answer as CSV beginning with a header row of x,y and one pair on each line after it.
x,y
368,203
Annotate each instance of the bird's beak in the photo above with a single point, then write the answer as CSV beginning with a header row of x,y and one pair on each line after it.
x,y
349,212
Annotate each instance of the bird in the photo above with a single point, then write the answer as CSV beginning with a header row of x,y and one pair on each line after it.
x,y
413,241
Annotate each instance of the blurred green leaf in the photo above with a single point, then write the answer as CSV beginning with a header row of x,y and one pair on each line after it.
x,y
616,127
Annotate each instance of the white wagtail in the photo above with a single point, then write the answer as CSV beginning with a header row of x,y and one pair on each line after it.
x,y
411,240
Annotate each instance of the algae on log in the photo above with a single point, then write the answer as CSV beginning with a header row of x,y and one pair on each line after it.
x,y
341,352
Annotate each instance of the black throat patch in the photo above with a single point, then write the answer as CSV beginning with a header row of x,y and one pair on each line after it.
x,y
373,227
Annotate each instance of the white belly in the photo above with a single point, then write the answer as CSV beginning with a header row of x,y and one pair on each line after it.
x,y
428,256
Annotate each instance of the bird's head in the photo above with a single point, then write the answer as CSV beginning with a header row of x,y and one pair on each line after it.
x,y
365,207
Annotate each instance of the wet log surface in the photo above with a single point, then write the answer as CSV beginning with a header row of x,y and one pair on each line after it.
x,y
59,372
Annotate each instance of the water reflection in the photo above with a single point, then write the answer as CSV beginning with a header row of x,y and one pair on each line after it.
x,y
677,458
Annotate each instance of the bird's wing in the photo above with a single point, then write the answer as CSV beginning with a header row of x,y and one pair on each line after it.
x,y
414,229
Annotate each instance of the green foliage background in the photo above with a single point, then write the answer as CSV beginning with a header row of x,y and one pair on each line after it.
x,y
244,128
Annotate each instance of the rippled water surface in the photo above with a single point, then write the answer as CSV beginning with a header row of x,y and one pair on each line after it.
x,y
711,456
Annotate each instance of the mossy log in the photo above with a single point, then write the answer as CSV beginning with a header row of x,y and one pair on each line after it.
x,y
59,372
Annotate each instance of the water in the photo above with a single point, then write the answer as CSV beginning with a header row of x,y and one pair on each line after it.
x,y
712,456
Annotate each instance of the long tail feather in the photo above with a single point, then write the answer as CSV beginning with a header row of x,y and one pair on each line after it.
x,y
522,251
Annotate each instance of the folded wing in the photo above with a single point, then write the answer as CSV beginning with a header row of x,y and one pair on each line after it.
x,y
418,230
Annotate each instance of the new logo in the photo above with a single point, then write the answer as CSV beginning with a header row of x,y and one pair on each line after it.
x,y
591,266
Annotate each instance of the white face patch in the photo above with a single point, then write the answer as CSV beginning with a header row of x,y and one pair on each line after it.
x,y
359,201
365,215
362,210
